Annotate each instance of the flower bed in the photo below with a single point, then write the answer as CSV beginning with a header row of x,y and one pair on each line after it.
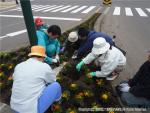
x,y
78,90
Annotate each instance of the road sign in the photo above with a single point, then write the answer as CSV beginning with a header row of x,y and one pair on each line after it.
x,y
107,2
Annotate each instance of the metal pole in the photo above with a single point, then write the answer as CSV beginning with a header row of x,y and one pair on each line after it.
x,y
28,18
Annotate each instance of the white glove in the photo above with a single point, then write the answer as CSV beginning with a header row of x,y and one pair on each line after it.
x,y
74,55
54,60
57,57
125,89
123,84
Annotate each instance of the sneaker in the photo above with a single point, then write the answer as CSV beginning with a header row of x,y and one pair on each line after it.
x,y
112,77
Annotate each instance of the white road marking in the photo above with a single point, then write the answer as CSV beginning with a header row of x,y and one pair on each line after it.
x,y
16,33
89,9
116,11
49,18
38,7
47,6
128,11
3,36
148,9
53,8
79,9
70,9
141,12
61,8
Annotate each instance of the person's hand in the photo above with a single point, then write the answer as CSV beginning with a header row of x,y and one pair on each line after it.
x,y
125,89
123,84
79,65
57,57
54,60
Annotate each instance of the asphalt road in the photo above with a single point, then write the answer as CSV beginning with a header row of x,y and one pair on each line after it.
x,y
129,20
65,13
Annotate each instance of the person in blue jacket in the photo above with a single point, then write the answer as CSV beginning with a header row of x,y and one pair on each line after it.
x,y
86,38
48,39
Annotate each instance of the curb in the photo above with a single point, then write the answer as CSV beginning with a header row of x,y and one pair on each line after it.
x,y
98,28
99,21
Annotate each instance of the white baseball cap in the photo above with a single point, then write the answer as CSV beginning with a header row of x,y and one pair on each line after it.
x,y
73,37
100,46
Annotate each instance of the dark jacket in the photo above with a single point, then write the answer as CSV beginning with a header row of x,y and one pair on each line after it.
x,y
140,83
86,47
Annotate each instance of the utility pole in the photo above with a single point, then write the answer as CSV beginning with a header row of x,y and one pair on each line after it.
x,y
29,21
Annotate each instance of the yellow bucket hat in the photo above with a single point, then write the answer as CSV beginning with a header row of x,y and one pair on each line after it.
x,y
37,51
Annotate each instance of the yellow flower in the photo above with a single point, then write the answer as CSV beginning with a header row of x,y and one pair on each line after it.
x,y
105,96
111,112
10,78
1,74
65,94
99,82
10,67
73,85
71,112
81,94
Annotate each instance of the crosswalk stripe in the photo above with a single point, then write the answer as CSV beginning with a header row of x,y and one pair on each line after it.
x,y
15,9
53,8
148,9
141,12
128,11
61,8
89,9
79,9
116,11
66,10
48,6
37,7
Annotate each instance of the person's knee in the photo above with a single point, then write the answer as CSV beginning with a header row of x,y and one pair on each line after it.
x,y
57,85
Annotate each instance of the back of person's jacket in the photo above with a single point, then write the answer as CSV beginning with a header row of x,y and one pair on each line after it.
x,y
87,46
30,79
140,83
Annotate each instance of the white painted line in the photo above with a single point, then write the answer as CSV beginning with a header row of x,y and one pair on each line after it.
x,y
61,8
79,9
116,11
47,6
49,18
128,11
53,8
70,9
148,9
89,9
3,36
38,7
141,12
16,33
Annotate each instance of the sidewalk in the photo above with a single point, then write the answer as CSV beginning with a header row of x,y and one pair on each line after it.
x,y
7,4
109,25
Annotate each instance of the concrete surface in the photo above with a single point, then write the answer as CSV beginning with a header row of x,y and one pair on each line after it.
x,y
106,23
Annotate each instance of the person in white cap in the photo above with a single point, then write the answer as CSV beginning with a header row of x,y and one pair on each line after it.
x,y
109,58
72,41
